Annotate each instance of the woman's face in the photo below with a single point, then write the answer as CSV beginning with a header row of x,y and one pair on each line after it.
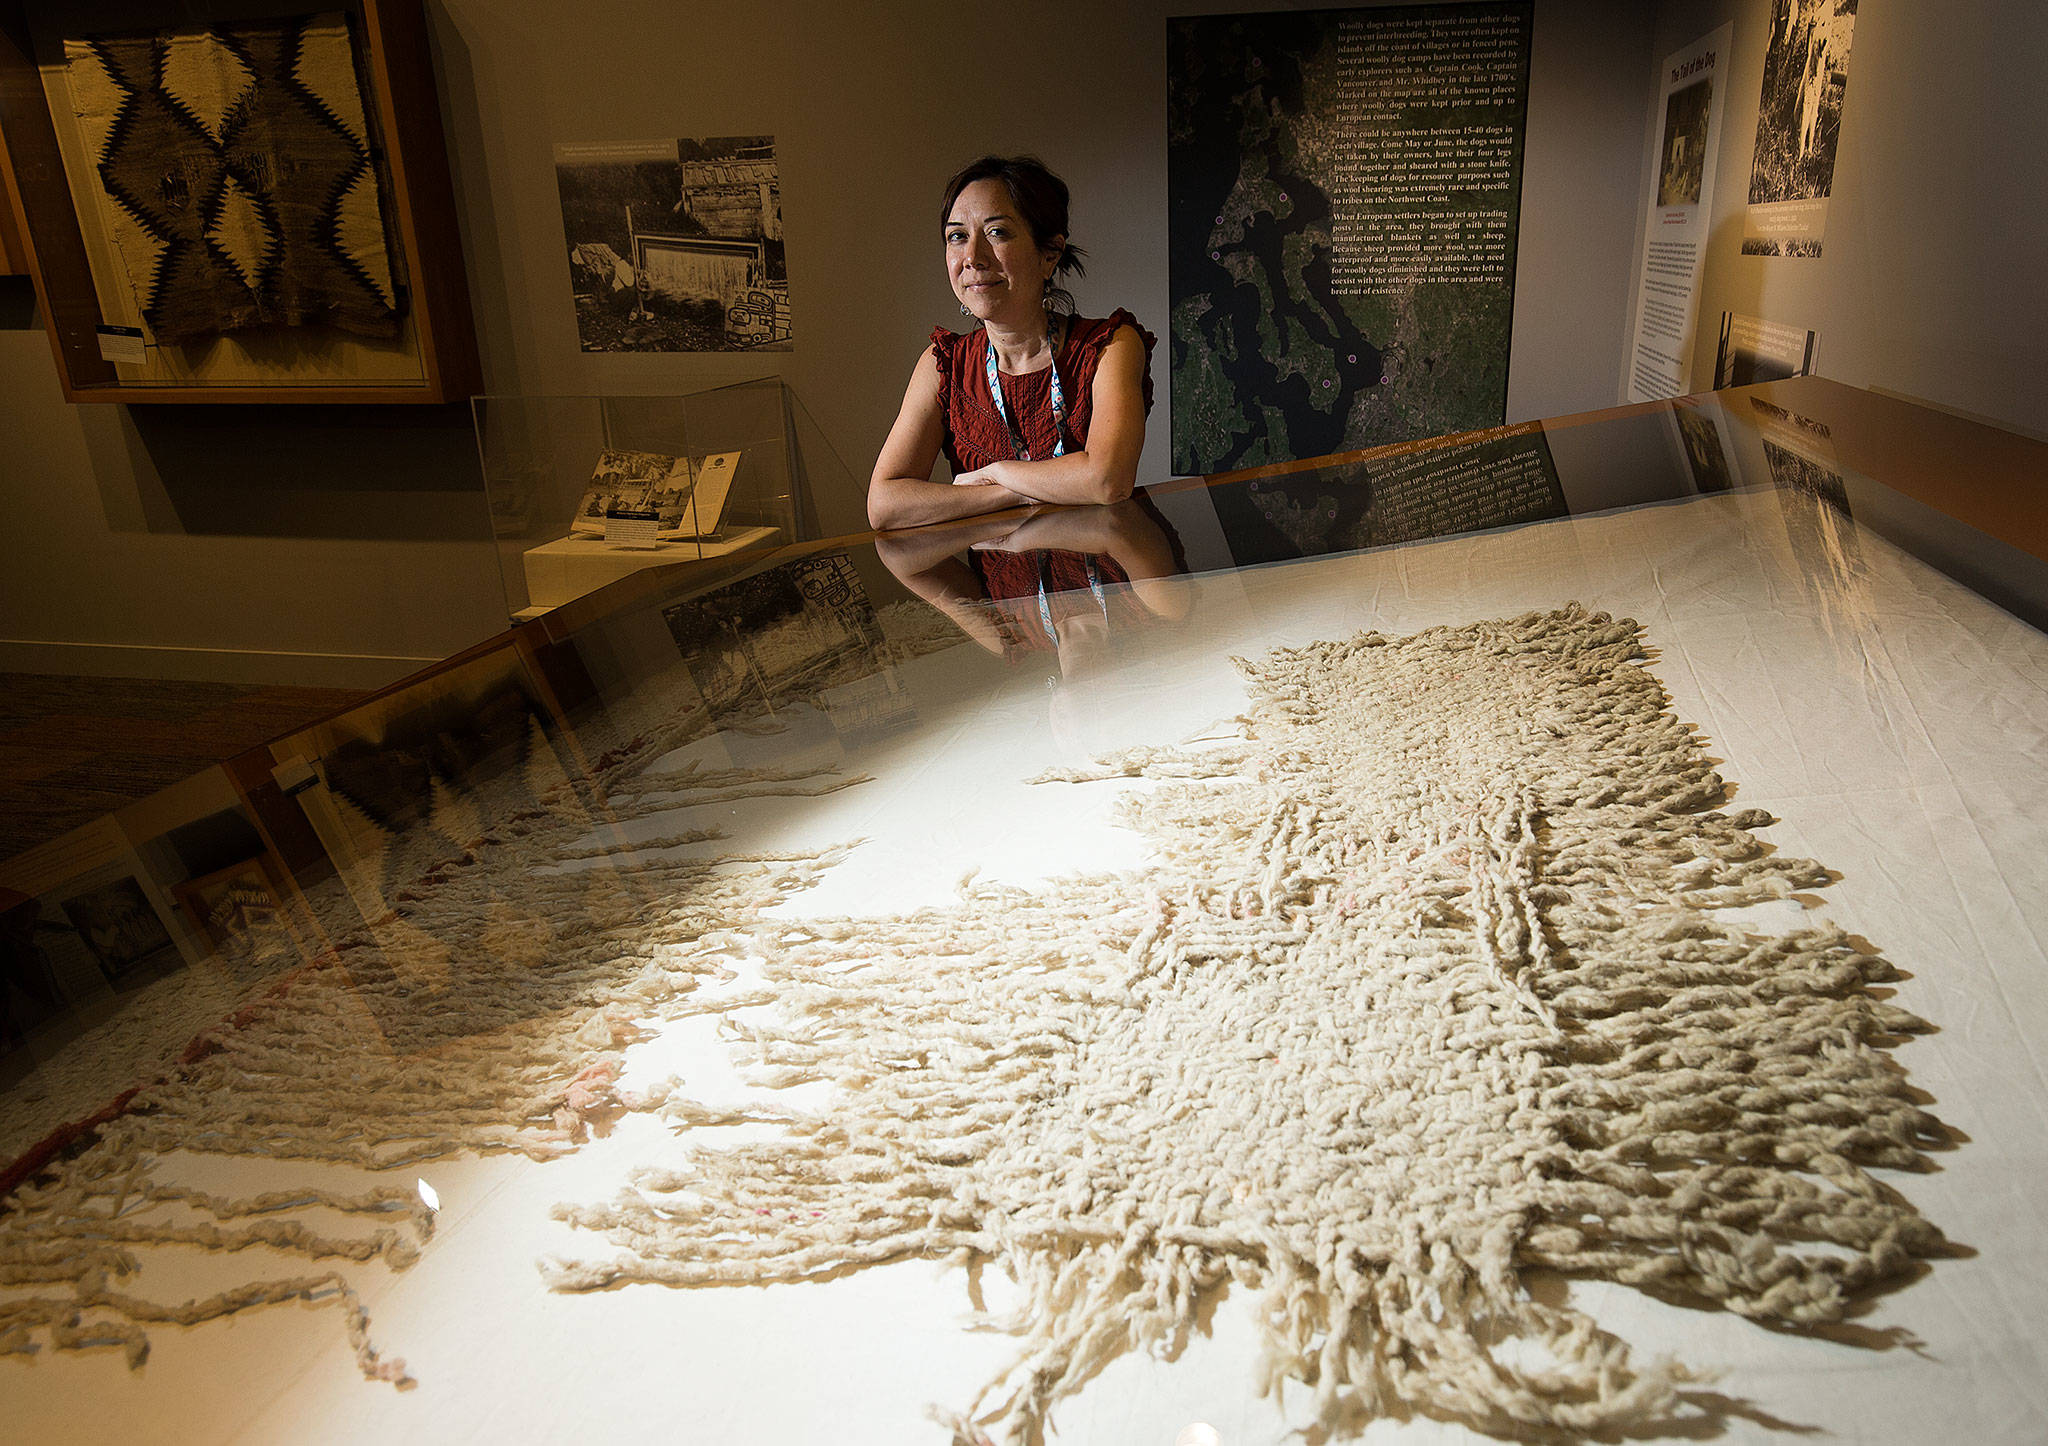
x,y
998,271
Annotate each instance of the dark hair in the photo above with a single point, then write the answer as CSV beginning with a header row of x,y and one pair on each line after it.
x,y
1041,199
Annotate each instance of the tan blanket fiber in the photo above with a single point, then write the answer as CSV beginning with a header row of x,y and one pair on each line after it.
x,y
1423,992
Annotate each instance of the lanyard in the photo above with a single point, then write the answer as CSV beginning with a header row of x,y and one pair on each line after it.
x,y
1059,400
1052,633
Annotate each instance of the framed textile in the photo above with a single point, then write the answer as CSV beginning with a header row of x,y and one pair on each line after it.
x,y
250,202
242,901
237,157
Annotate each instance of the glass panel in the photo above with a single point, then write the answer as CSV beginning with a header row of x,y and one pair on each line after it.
x,y
584,491
480,932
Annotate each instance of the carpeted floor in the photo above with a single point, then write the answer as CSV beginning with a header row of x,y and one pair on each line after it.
x,y
73,748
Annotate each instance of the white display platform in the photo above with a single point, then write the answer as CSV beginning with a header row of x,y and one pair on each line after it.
x,y
570,567
1895,723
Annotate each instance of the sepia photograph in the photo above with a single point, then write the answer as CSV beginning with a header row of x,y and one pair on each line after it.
x,y
686,495
1798,126
626,481
778,638
123,933
675,246
1684,148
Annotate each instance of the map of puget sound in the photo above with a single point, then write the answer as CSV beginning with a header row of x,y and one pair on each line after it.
x,y
1344,189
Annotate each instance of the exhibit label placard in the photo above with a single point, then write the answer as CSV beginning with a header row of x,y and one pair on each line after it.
x,y
1690,102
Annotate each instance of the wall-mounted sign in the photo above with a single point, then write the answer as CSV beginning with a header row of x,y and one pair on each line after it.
x,y
1692,96
1344,188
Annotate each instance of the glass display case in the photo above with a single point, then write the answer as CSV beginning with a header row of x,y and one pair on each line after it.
x,y
1441,933
584,491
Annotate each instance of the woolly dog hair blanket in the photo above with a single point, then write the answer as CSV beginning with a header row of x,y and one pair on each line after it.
x,y
1422,992
486,1011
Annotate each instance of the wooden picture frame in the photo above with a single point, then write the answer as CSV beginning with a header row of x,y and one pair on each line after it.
x,y
13,250
434,360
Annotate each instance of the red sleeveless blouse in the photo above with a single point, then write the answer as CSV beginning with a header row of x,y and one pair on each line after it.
x,y
975,434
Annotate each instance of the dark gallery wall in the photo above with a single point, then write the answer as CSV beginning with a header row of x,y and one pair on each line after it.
x,y
338,546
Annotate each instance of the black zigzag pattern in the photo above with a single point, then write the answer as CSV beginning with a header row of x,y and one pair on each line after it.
x,y
281,151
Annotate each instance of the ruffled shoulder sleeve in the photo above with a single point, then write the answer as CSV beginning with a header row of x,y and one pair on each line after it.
x,y
944,346
1091,337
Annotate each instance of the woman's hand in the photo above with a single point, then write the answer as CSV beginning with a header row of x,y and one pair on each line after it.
x,y
901,492
1105,470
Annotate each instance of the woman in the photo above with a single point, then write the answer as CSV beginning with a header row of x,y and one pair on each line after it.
x,y
1052,583
1036,405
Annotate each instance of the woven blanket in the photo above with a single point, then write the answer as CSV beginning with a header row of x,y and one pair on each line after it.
x,y
1423,993
237,162
483,1007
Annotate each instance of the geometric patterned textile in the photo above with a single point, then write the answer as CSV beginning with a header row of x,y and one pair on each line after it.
x,y
1424,989
238,164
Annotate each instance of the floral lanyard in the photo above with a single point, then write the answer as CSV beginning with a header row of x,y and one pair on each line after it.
x,y
1059,399
1059,449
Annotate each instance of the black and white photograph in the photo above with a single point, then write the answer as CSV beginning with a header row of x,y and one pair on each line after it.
x,y
781,637
687,495
1798,126
1683,154
624,481
1795,471
123,933
676,245
1704,453
1814,502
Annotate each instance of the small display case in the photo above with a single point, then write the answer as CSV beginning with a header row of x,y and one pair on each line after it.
x,y
584,491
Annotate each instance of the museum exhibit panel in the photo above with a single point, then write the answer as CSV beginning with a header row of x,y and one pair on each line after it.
x,y
1582,874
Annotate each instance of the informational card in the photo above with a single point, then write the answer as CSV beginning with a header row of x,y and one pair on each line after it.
x,y
1755,350
1688,120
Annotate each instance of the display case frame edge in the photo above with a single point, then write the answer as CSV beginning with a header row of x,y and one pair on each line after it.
x,y
399,59
13,246
32,170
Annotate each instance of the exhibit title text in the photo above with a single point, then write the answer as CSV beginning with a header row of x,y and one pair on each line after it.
x,y
1693,67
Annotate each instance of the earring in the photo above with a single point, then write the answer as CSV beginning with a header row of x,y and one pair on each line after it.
x,y
964,311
